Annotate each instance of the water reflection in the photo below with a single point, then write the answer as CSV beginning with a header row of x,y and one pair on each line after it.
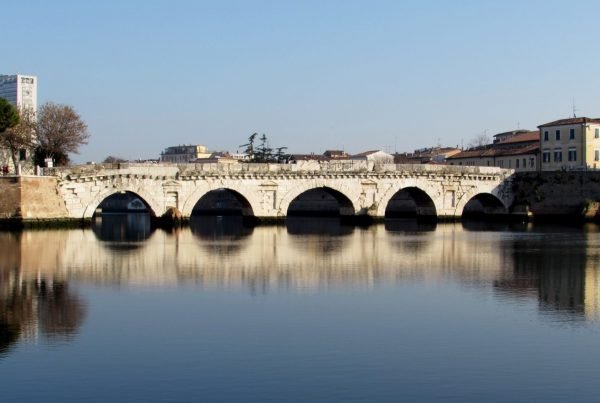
x,y
557,267
122,231
32,309
221,235
409,225
231,227
306,225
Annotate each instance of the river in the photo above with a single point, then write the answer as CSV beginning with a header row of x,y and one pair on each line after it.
x,y
310,311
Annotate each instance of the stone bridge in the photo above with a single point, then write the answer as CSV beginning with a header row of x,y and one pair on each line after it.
x,y
266,191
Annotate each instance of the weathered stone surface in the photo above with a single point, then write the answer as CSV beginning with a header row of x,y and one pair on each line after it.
x,y
558,193
270,188
31,198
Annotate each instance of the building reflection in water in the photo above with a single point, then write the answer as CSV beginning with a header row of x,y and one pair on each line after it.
x,y
557,268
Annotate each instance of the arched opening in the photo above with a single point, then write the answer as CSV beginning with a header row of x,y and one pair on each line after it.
x,y
321,202
484,206
123,203
123,219
411,203
223,202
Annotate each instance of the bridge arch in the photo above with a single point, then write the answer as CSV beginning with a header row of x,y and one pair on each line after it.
x,y
410,201
245,196
424,203
154,208
224,201
481,204
347,203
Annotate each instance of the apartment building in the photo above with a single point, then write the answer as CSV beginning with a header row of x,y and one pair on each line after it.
x,y
570,144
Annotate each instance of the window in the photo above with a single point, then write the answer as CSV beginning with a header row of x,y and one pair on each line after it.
x,y
517,163
546,156
501,164
524,163
510,163
532,162
558,135
571,134
596,155
572,154
545,135
558,155
597,133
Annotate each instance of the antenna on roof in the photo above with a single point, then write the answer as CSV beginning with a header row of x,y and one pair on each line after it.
x,y
574,109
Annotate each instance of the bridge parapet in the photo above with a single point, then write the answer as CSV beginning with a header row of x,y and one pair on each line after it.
x,y
302,167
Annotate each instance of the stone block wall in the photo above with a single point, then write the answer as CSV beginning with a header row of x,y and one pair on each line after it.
x,y
10,197
31,198
557,193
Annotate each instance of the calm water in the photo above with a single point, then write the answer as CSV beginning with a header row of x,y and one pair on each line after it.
x,y
311,311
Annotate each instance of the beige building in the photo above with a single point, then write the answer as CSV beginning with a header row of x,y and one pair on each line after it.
x,y
184,153
572,143
518,150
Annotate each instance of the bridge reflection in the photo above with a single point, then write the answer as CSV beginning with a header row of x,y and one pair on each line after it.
x,y
558,270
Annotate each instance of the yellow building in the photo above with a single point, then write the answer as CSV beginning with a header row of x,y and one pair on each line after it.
x,y
572,143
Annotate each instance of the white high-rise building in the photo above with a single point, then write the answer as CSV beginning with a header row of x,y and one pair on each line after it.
x,y
20,90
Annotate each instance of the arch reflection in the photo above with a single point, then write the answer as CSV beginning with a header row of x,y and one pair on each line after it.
x,y
221,234
122,231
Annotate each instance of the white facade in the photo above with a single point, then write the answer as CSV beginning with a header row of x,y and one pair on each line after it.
x,y
20,90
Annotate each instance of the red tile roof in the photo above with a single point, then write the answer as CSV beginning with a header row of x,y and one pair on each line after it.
x,y
496,152
522,137
571,121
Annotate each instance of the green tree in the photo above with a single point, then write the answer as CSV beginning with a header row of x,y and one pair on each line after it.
x,y
60,131
263,152
21,137
9,116
280,156
249,147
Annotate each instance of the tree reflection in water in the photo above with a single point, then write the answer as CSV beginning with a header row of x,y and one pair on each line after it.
x,y
37,307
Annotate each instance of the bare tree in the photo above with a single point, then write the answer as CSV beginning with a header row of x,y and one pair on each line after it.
x,y
60,130
20,137
479,140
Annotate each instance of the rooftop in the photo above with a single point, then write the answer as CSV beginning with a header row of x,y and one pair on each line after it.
x,y
571,121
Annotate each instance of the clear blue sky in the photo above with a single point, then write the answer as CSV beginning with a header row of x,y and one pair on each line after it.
x,y
312,75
